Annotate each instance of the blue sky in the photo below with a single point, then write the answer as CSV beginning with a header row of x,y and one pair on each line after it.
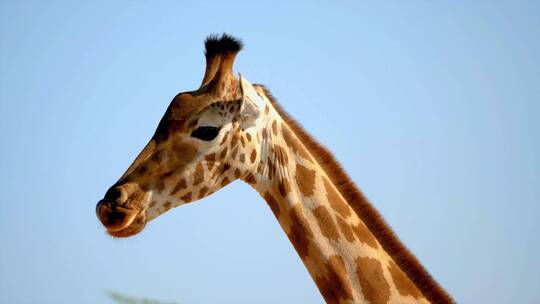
x,y
433,109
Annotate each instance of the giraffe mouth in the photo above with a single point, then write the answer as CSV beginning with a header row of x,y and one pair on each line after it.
x,y
120,221
137,225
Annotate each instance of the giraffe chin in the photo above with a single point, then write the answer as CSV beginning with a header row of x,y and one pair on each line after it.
x,y
136,226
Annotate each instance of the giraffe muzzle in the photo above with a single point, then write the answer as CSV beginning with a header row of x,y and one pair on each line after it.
x,y
120,221
113,217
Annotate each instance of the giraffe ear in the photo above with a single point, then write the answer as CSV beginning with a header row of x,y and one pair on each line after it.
x,y
250,105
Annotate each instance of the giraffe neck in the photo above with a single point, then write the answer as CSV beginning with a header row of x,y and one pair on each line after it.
x,y
344,258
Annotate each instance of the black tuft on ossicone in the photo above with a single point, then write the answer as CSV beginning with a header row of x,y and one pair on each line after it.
x,y
215,45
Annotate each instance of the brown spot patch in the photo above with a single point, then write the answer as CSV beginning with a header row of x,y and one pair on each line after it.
x,y
250,179
234,153
284,187
145,185
272,202
271,169
221,169
305,179
364,235
242,158
248,136
160,186
225,181
336,201
210,160
402,282
374,286
167,175
179,186
237,173
198,177
167,205
223,153
152,204
346,229
326,223
253,156
280,155
234,140
159,156
141,170
203,191
300,234
184,153
274,127
242,141
186,197
335,286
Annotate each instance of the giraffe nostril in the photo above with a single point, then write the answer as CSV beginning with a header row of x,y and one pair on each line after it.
x,y
113,194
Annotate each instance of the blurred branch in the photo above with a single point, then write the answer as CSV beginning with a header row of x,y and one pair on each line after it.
x,y
123,299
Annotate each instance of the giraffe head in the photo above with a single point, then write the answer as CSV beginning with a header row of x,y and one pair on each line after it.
x,y
206,139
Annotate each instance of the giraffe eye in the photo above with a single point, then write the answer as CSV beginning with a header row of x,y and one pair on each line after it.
x,y
206,133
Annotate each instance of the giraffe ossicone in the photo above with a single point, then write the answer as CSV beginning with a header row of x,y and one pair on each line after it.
x,y
229,129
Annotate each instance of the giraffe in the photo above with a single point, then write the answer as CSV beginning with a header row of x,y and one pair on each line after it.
x,y
230,129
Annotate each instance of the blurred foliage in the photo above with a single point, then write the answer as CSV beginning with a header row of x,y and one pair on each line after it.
x,y
123,299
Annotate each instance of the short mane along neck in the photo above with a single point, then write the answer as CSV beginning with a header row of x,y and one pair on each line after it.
x,y
351,254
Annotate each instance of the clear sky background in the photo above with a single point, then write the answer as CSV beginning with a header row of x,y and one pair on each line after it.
x,y
433,109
